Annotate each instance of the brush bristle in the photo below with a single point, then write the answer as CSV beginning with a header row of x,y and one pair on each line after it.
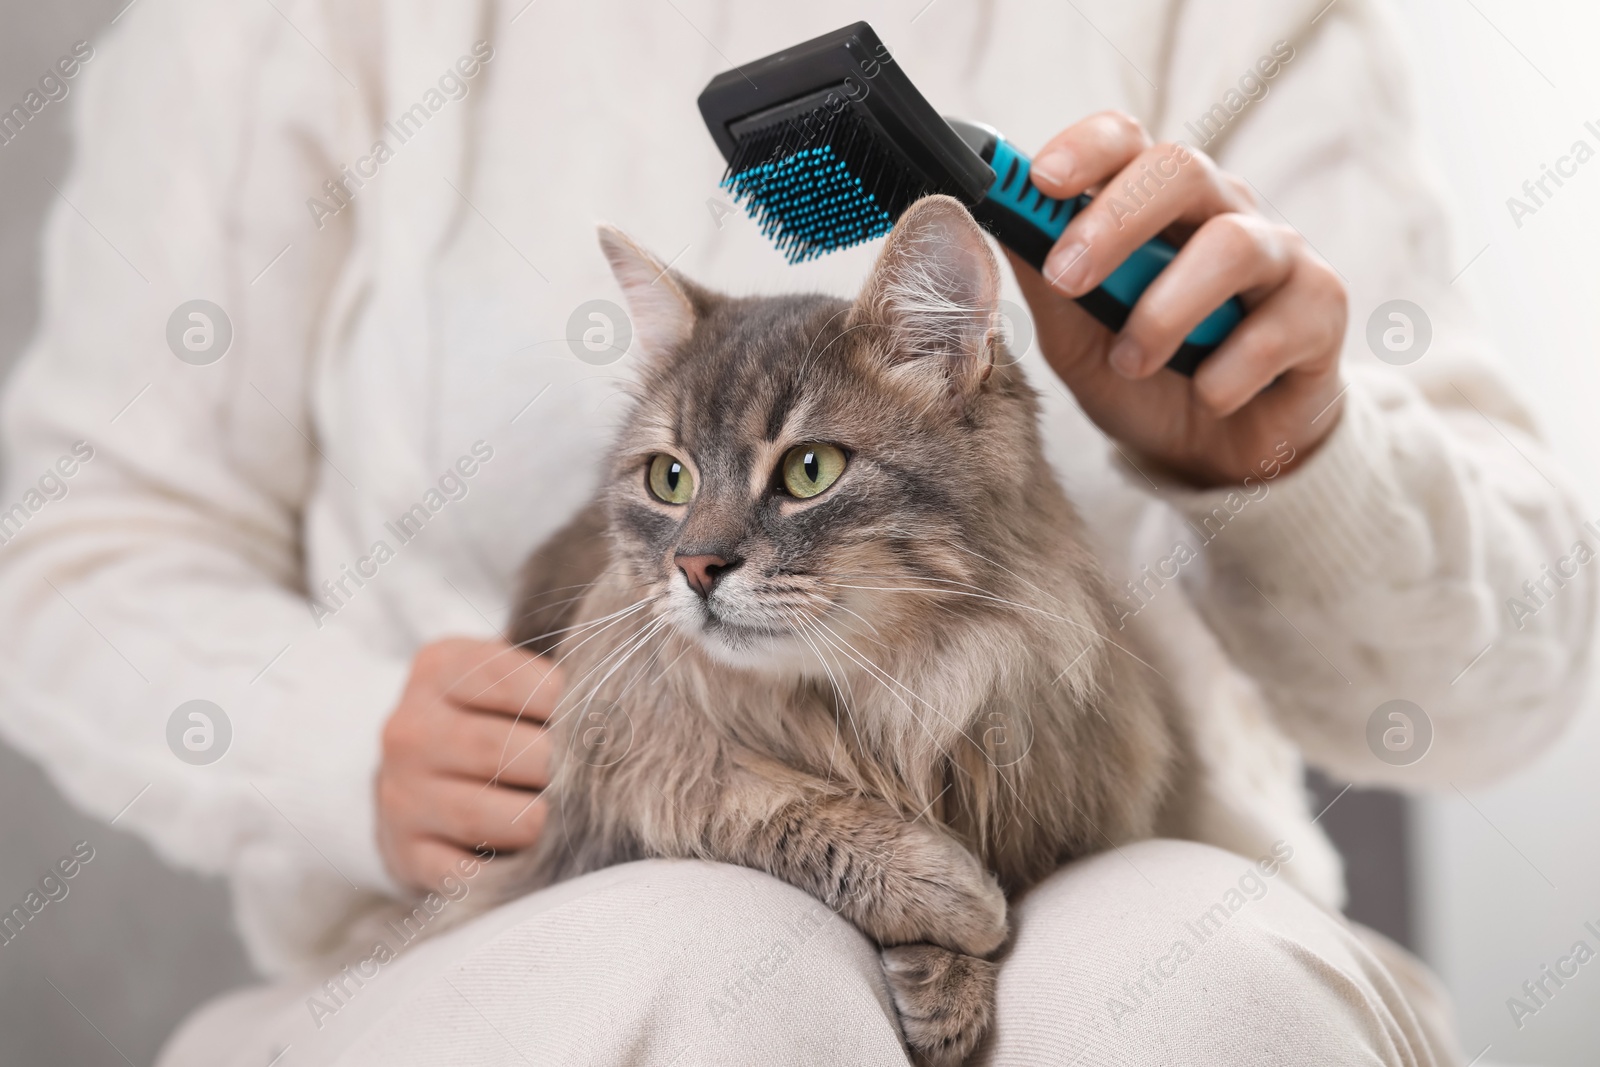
x,y
820,186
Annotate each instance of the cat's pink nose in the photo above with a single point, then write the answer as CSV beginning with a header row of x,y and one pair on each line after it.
x,y
702,572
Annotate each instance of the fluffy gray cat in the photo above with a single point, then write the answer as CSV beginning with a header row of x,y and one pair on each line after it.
x,y
832,617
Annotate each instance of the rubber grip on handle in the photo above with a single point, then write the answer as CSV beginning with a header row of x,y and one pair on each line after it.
x,y
1028,222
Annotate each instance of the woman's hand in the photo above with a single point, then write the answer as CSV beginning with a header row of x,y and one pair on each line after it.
x,y
464,756
1221,425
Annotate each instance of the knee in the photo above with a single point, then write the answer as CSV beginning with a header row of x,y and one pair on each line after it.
x,y
734,960
1165,874
735,933
717,901
1167,945
644,961
1135,919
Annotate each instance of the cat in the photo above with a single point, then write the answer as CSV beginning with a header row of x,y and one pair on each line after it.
x,y
832,617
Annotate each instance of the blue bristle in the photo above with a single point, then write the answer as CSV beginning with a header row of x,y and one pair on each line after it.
x,y
809,203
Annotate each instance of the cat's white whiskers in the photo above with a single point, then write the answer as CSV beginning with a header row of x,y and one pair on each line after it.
x,y
910,577
538,605
688,646
1000,566
1089,647
1002,777
957,592
861,659
503,652
844,704
597,627
801,627
836,605
621,654
1099,635
874,671
884,678
843,708
502,762
555,604
644,668
632,645
807,633
574,630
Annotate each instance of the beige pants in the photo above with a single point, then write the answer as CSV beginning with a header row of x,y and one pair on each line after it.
x,y
1164,952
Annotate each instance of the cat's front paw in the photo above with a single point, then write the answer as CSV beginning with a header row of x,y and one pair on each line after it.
x,y
962,907
945,1000
928,889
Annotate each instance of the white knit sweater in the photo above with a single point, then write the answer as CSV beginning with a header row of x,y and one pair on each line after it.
x,y
428,315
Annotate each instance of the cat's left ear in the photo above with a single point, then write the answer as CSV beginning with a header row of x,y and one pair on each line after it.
x,y
662,304
936,287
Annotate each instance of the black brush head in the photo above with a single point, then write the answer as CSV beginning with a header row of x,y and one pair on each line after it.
x,y
828,142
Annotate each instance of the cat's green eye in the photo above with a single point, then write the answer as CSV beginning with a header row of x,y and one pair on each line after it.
x,y
809,469
669,480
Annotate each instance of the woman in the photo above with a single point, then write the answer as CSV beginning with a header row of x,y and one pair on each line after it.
x,y
400,316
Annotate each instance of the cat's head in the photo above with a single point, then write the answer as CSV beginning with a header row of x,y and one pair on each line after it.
x,y
804,481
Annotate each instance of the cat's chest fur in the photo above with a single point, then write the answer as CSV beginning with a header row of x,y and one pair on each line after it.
x,y
985,747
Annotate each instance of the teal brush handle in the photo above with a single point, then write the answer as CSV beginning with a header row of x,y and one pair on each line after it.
x,y
1029,223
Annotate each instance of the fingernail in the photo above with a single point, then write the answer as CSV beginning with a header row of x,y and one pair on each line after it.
x,y
1054,166
1068,268
1126,358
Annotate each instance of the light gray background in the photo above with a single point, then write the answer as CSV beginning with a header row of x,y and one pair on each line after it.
x,y
135,944
1507,875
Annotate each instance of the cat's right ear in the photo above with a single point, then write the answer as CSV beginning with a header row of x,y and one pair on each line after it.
x,y
660,303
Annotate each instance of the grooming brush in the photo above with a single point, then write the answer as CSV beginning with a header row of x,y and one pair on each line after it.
x,y
828,143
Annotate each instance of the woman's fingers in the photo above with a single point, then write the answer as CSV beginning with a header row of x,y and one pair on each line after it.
x,y
1086,153
489,748
1229,254
464,755
500,678
463,812
1297,330
434,735
427,861
1211,428
1163,185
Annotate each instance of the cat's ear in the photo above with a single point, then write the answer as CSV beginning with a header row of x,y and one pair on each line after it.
x,y
936,288
662,304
